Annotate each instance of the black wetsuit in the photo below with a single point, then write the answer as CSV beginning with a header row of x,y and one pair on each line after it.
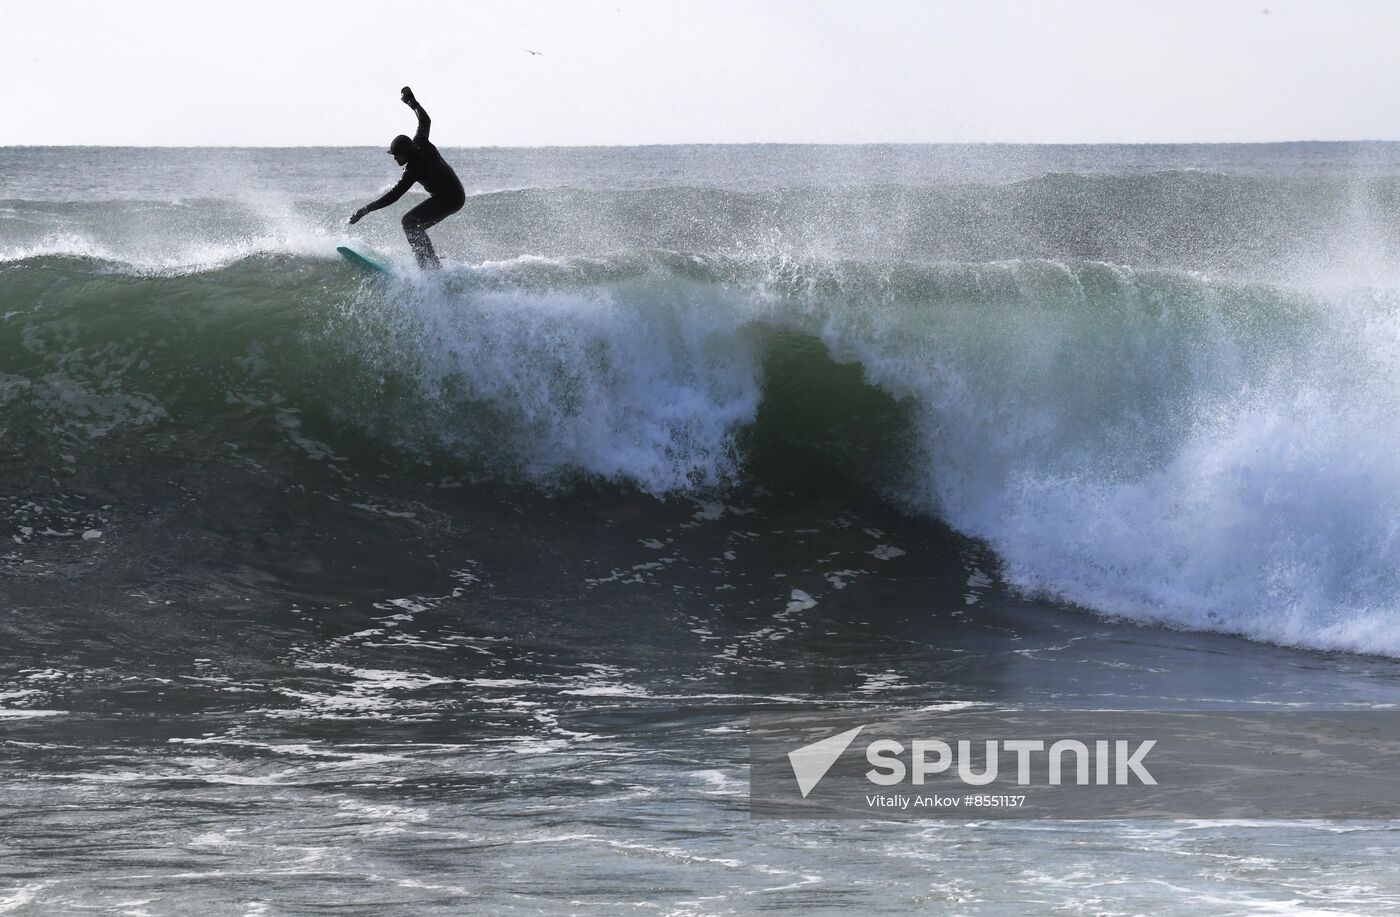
x,y
426,167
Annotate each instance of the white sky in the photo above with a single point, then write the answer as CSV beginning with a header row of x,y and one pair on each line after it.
x,y
257,73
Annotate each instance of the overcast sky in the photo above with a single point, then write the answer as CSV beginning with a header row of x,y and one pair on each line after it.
x,y
255,73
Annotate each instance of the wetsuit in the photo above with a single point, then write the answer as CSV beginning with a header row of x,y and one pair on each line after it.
x,y
426,167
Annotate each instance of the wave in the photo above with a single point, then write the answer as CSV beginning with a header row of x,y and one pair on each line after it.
x,y
1278,229
1145,443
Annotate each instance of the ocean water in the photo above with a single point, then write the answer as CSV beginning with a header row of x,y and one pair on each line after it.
x,y
451,593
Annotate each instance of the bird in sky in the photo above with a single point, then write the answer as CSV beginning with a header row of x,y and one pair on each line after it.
x,y
536,53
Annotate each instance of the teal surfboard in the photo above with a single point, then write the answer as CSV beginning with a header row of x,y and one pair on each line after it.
x,y
360,260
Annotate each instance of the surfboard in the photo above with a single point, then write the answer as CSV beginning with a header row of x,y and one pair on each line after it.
x,y
360,260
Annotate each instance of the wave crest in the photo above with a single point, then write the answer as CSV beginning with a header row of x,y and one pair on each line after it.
x,y
1145,443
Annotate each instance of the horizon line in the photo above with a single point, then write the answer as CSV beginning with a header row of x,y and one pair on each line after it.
x,y
606,146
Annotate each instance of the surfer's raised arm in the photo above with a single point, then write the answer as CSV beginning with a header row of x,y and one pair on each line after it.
x,y
424,122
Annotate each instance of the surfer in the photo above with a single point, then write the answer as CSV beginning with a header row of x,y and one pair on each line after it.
x,y
424,165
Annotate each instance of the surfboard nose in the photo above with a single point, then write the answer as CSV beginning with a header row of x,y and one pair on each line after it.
x,y
359,260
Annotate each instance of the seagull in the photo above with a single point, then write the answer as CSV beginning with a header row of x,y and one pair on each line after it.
x,y
536,53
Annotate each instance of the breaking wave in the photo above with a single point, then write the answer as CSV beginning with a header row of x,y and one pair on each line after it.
x,y
1150,443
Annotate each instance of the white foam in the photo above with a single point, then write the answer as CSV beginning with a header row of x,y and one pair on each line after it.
x,y
19,897
1217,458
645,382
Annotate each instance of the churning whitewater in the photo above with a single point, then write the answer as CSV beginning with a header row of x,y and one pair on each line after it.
x,y
1156,388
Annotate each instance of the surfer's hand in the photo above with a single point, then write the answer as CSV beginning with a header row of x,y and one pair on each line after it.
x,y
355,217
407,96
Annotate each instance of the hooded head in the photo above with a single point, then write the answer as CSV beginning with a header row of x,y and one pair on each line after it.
x,y
401,148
